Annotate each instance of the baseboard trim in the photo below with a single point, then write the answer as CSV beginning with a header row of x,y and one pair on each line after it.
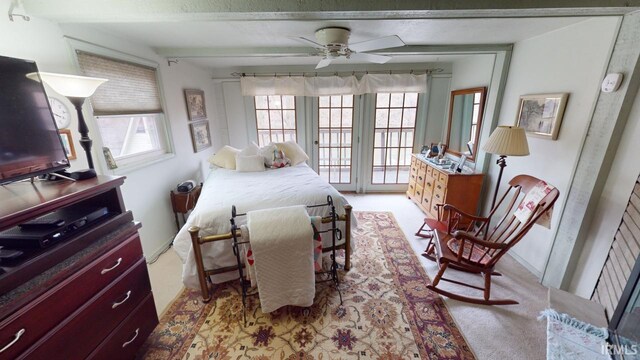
x,y
161,250
526,264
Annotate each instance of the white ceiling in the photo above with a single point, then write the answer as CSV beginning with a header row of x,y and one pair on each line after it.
x,y
225,44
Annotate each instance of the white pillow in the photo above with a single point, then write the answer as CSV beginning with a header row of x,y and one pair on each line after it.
x,y
250,163
293,151
267,152
225,157
250,150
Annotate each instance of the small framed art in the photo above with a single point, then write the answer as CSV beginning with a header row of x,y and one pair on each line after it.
x,y
67,143
195,104
541,115
200,136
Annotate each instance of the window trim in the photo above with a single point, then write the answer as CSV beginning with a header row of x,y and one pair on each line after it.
x,y
142,160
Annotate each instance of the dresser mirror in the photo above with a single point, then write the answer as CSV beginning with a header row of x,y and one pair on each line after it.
x,y
465,121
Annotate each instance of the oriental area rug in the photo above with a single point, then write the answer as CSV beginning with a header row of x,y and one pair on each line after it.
x,y
387,313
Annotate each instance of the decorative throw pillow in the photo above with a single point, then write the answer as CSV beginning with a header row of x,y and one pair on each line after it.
x,y
293,152
280,160
268,152
225,157
250,163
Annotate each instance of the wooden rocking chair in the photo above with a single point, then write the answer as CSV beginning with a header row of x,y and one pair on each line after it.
x,y
477,250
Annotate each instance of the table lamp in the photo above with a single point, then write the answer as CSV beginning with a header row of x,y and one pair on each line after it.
x,y
76,89
506,141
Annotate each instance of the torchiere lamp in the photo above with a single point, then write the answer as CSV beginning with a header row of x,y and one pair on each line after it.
x,y
506,141
76,89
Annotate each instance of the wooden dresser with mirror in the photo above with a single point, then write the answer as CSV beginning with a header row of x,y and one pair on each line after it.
x,y
430,183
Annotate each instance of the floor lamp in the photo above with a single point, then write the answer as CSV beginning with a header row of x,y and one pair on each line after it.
x,y
506,141
76,89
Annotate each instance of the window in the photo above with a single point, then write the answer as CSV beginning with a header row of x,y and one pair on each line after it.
x,y
394,129
127,108
335,134
275,118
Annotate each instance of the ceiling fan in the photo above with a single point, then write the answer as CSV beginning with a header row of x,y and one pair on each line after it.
x,y
333,42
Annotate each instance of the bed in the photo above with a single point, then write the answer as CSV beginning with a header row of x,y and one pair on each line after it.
x,y
295,185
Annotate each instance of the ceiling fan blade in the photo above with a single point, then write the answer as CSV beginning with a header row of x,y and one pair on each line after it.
x,y
386,42
378,59
307,42
323,63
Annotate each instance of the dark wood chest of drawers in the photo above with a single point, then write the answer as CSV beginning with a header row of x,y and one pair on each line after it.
x,y
87,296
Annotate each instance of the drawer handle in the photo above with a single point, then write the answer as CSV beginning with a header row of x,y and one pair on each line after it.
x,y
16,337
439,187
104,271
438,196
420,177
116,304
132,339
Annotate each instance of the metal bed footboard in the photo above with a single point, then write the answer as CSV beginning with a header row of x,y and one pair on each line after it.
x,y
203,274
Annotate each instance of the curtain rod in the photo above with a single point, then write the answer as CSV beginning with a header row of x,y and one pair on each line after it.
x,y
361,72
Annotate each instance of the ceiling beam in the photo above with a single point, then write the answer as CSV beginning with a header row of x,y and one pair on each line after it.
x,y
99,11
219,52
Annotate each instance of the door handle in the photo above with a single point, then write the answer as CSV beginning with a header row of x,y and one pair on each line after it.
x,y
316,142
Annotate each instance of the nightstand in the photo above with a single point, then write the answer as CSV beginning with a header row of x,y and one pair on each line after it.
x,y
184,202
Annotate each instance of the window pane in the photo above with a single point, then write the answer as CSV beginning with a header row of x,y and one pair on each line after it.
x,y
391,175
347,101
323,101
411,100
409,118
382,100
261,102
336,101
275,102
378,157
276,119
324,117
289,119
324,173
347,118
288,102
403,174
380,138
263,119
129,135
382,118
378,175
323,156
397,100
336,115
395,118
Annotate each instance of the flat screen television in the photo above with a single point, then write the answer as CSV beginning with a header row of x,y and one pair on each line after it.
x,y
29,141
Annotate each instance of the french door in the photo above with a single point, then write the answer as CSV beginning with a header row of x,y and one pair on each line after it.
x,y
364,143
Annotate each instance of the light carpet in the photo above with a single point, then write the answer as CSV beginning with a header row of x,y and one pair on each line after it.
x,y
387,313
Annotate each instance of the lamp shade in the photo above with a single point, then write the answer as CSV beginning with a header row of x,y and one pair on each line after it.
x,y
507,140
69,85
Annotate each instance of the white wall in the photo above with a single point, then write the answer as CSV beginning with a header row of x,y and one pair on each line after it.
x,y
472,71
146,190
613,201
439,94
572,60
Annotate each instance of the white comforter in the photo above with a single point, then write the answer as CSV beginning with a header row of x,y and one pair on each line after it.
x,y
297,185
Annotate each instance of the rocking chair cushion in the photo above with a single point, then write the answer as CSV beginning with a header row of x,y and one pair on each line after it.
x,y
477,254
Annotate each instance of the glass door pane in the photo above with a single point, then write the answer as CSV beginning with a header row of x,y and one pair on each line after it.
x,y
335,138
394,130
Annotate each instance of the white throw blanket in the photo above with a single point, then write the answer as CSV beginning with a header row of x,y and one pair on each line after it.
x,y
283,265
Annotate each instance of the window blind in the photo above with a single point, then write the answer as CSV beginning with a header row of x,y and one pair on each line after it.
x,y
131,89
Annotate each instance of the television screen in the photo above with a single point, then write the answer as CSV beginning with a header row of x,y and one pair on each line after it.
x,y
29,141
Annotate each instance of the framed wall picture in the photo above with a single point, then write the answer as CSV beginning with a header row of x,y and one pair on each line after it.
x,y
541,115
67,143
200,136
195,104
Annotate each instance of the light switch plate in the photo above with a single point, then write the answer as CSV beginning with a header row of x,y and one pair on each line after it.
x,y
611,82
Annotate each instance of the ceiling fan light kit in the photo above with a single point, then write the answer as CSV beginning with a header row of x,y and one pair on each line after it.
x,y
333,43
